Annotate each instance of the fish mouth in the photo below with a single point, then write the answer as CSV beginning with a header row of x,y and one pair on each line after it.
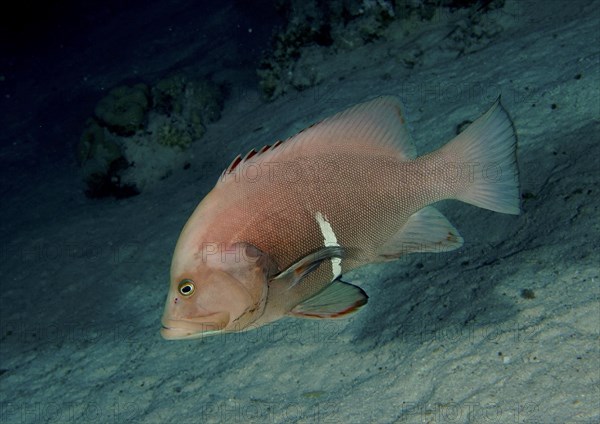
x,y
172,329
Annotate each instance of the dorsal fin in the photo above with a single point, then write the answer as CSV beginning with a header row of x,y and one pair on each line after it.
x,y
235,162
377,123
251,153
380,122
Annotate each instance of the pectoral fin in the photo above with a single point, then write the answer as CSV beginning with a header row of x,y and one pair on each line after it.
x,y
295,273
337,300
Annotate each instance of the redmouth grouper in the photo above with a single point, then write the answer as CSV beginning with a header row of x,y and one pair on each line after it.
x,y
283,223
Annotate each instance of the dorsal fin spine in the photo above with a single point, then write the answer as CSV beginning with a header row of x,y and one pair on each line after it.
x,y
235,162
249,155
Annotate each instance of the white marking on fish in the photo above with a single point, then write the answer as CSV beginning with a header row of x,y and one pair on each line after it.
x,y
329,240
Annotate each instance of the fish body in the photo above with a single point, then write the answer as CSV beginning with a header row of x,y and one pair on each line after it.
x,y
284,223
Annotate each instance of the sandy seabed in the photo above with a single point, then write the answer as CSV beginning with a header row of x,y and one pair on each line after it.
x,y
504,330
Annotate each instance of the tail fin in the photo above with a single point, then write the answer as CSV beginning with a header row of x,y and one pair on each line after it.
x,y
490,144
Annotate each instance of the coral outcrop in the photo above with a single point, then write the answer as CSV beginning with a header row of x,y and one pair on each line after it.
x,y
140,134
315,31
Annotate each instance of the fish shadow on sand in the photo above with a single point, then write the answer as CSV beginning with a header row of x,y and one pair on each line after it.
x,y
436,297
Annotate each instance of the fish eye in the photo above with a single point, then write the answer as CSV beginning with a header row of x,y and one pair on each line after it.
x,y
186,287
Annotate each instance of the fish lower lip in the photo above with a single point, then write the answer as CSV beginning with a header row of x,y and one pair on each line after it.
x,y
187,329
173,333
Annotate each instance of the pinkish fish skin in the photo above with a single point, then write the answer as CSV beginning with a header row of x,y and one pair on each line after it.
x,y
283,223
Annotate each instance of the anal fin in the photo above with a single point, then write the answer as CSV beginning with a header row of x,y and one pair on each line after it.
x,y
425,231
337,300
